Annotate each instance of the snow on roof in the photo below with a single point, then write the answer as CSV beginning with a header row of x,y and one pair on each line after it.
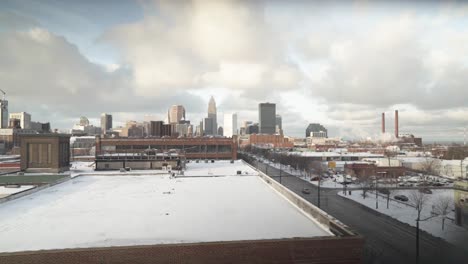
x,y
335,154
7,191
95,211
218,168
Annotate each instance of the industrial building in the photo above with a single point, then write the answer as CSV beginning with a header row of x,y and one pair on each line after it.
x,y
192,148
263,140
215,213
45,153
404,140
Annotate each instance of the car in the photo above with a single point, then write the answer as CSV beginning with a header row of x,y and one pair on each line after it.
x,y
305,191
400,197
384,191
425,190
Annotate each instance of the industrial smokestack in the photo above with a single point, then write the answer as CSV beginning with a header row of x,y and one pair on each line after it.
x,y
383,123
396,124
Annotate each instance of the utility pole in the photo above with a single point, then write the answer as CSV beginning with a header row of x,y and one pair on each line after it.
x,y
280,166
318,193
376,194
417,240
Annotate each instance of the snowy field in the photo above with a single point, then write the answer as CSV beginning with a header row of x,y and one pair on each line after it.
x,y
97,211
408,214
4,191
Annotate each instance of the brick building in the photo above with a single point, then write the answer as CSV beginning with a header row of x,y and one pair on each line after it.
x,y
365,170
193,148
189,219
45,152
273,141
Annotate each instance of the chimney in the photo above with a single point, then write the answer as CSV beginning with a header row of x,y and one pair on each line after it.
x,y
383,123
396,124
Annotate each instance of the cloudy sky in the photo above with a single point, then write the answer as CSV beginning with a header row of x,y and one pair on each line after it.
x,y
340,64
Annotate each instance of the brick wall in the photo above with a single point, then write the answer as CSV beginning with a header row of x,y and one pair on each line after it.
x,y
315,250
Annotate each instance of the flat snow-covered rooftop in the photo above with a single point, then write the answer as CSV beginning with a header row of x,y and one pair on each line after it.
x,y
95,211
7,191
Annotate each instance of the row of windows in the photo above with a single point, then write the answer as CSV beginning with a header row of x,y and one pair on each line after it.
x,y
187,149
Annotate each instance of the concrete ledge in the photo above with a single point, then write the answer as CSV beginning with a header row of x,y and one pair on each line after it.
x,y
33,190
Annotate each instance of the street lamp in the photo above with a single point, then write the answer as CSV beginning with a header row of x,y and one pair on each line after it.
x,y
376,190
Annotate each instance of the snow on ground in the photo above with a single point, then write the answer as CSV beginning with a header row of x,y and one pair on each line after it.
x,y
408,214
325,182
95,211
4,191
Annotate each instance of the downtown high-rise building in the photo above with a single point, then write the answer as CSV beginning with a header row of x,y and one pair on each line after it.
x,y
230,125
106,123
279,124
316,130
3,113
267,118
25,119
210,124
176,114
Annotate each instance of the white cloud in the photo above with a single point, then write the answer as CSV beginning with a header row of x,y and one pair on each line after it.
x,y
201,44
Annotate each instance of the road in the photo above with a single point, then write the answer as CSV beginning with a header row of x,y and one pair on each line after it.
x,y
387,240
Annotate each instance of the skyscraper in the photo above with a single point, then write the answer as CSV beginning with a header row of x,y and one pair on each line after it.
x,y
208,126
3,113
106,123
230,124
267,118
211,123
175,114
25,119
279,124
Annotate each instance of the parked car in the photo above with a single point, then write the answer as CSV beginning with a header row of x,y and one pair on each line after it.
x,y
401,198
305,191
384,191
425,190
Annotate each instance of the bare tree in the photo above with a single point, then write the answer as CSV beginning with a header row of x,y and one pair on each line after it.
x,y
366,183
419,201
390,153
430,166
388,193
317,167
442,207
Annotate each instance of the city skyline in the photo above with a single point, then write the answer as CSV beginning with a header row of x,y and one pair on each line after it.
x,y
332,79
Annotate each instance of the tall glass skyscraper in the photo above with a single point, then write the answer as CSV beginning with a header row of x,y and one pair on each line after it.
x,y
267,118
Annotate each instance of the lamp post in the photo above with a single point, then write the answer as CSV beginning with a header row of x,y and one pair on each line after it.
x,y
377,191
280,168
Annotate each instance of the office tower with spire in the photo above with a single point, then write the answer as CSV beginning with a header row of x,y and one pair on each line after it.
x,y
211,123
